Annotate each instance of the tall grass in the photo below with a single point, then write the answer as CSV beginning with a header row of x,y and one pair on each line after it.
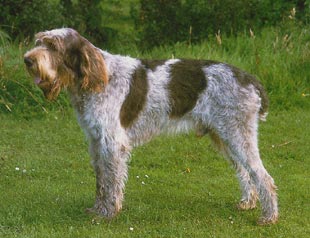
x,y
4,41
279,57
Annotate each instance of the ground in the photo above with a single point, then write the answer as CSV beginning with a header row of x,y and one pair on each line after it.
x,y
177,187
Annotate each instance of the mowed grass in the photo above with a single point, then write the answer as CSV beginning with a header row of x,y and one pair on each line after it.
x,y
178,186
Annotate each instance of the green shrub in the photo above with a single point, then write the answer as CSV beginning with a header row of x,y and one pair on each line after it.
x,y
161,22
22,18
157,22
86,17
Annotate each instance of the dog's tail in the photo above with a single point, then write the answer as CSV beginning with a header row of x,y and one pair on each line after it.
x,y
263,111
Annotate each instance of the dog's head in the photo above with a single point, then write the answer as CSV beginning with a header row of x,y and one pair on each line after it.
x,y
62,58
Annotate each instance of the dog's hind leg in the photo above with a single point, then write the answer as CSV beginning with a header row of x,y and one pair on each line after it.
x,y
249,193
240,137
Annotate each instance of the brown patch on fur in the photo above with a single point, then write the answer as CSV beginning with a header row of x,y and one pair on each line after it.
x,y
135,99
245,79
187,81
152,64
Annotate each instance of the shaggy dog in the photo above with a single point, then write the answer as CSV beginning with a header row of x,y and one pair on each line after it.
x,y
122,102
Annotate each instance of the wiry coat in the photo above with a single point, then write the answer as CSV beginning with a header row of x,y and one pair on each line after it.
x,y
122,102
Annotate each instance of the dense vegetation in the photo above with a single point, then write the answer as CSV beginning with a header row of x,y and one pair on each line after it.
x,y
166,22
21,19
156,22
279,56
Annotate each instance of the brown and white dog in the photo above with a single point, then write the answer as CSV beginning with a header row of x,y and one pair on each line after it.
x,y
122,102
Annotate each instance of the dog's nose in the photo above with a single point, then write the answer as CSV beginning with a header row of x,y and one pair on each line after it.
x,y
28,61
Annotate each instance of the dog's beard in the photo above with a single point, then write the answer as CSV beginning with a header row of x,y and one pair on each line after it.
x,y
49,86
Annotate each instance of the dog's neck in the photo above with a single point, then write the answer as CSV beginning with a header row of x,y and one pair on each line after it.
x,y
78,100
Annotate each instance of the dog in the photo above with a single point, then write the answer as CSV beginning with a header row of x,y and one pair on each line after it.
x,y
122,102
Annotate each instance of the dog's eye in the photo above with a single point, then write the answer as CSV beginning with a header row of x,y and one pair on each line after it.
x,y
38,42
51,45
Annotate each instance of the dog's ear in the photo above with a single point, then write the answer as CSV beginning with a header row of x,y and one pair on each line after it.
x,y
87,61
92,67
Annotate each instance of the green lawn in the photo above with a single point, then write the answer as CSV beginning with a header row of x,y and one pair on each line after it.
x,y
178,186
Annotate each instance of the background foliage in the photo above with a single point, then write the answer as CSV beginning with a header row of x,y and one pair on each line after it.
x,y
168,21
269,39
156,21
23,18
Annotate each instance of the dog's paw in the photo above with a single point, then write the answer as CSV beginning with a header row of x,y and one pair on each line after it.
x,y
102,212
263,221
246,205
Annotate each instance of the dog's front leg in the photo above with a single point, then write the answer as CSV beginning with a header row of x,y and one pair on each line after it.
x,y
109,159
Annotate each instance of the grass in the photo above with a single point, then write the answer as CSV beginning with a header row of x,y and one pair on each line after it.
x,y
189,191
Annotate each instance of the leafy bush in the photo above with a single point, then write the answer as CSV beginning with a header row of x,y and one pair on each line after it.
x,y
158,22
22,18
86,17
164,22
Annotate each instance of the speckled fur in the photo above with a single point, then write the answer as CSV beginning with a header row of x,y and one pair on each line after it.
x,y
227,109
